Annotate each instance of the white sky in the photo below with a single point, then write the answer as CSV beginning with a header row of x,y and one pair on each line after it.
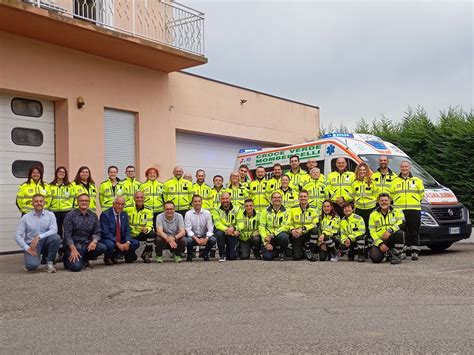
x,y
353,59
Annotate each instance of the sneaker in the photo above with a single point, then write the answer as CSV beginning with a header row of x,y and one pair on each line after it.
x,y
414,256
308,255
281,256
361,258
222,259
403,256
394,260
146,257
206,258
177,259
334,257
50,269
119,258
159,259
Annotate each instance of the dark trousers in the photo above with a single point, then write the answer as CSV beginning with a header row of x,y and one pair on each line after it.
x,y
129,255
279,243
60,221
396,241
413,224
332,245
149,239
246,245
154,219
298,244
47,247
227,245
161,245
191,244
85,255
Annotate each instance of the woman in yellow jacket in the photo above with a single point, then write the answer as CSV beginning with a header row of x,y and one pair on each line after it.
x,y
62,196
110,188
33,185
329,239
364,193
84,184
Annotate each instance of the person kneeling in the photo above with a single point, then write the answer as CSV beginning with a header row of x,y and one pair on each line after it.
x,y
116,233
81,236
353,233
171,233
385,225
247,231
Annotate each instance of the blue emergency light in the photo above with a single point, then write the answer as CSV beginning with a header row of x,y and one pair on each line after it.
x,y
249,150
338,135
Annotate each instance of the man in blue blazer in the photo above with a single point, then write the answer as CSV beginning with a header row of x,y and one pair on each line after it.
x,y
117,237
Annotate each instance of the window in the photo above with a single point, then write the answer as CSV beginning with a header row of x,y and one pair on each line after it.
x,y
26,107
20,168
27,136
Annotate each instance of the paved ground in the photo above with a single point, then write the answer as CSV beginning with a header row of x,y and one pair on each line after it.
x,y
248,307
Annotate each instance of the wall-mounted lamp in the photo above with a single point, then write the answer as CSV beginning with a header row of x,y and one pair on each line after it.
x,y
243,101
80,102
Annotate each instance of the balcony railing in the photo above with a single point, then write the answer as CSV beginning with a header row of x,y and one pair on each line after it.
x,y
158,21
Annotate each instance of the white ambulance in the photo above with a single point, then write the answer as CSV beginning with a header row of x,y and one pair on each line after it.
x,y
444,219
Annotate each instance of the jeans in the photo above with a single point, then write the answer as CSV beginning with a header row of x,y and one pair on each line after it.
x,y
100,248
49,245
227,245
129,254
279,243
191,243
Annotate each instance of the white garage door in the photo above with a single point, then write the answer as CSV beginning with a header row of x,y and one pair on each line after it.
x,y
26,139
216,155
119,140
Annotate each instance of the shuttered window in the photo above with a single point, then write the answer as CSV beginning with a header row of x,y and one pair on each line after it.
x,y
119,140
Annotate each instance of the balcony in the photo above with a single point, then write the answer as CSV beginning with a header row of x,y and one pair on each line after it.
x,y
165,36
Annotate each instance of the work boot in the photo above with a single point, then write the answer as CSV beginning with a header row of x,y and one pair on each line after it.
x,y
334,256
256,254
360,255
281,256
414,255
146,256
395,257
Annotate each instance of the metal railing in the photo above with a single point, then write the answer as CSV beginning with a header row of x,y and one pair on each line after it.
x,y
158,21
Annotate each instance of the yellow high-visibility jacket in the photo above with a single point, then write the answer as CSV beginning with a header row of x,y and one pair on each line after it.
x,y
27,190
205,191
379,223
138,219
153,191
62,197
352,227
179,191
340,185
257,192
80,189
407,193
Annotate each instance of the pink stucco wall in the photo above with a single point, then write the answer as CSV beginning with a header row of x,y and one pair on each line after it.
x,y
162,102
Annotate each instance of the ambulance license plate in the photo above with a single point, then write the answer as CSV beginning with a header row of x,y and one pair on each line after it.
x,y
454,230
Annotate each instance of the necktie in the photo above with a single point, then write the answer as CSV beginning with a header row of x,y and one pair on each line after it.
x,y
117,228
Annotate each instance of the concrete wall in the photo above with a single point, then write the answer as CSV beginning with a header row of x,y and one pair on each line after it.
x,y
162,103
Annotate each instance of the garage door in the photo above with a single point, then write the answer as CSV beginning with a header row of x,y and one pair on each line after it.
x,y
26,139
216,155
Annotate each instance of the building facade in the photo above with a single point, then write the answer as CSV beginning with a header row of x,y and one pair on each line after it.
x,y
75,90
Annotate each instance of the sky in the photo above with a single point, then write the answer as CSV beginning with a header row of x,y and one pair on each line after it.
x,y
358,59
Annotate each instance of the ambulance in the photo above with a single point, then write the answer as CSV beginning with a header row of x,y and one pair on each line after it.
x,y
444,220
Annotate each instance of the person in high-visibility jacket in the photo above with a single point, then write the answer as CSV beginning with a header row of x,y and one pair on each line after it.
x,y
225,223
244,176
202,189
329,239
84,184
34,185
237,191
130,185
153,190
302,225
178,190
383,177
298,177
386,226
364,194
110,188
340,185
288,194
247,229
317,189
140,219
216,191
407,193
353,233
274,183
62,197
273,229
310,165
257,190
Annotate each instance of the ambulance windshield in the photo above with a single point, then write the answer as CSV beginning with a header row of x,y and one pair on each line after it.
x,y
394,164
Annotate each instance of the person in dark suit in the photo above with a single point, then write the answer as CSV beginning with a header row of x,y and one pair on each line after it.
x,y
117,237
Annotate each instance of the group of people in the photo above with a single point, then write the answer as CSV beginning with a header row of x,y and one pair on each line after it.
x,y
297,214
